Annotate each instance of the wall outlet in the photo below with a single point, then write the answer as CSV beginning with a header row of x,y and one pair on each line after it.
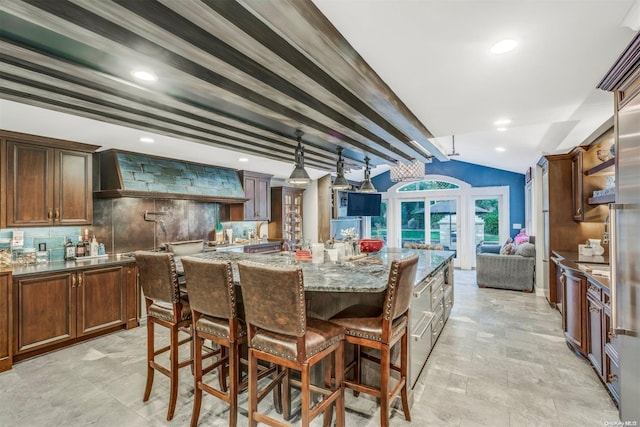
x,y
517,226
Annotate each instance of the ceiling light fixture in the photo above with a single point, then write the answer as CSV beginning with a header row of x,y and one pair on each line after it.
x,y
367,186
340,183
403,172
147,139
501,129
243,159
299,176
453,147
502,122
503,46
144,75
501,149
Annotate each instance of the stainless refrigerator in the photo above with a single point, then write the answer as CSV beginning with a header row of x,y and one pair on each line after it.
x,y
625,259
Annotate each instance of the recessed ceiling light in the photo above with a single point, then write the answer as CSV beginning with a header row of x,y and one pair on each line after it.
x,y
144,75
502,122
146,139
501,149
243,159
501,129
503,46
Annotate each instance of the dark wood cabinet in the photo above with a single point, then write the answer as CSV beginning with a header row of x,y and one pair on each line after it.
x,y
257,188
55,309
286,214
576,185
48,181
574,317
596,333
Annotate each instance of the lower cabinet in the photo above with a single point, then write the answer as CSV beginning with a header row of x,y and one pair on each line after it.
x,y
55,308
574,310
6,353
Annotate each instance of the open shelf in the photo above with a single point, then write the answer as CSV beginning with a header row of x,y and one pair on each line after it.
x,y
607,198
604,168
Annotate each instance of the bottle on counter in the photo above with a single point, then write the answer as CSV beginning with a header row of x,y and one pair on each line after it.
x,y
219,233
69,250
80,248
94,247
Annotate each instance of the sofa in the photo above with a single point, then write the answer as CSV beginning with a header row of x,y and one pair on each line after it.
x,y
516,271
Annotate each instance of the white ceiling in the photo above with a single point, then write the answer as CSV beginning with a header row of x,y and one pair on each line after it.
x,y
434,54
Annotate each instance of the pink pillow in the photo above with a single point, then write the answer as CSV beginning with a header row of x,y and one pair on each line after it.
x,y
521,238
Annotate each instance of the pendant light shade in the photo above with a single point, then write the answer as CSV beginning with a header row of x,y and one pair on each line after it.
x,y
340,183
367,186
299,176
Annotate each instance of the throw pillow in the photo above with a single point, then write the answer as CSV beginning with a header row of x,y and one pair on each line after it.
x,y
526,250
507,249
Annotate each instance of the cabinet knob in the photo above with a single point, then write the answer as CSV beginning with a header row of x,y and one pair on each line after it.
x,y
73,281
611,378
56,216
50,214
79,280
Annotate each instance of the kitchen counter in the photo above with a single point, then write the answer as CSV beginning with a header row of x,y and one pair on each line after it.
x,y
367,274
59,266
572,259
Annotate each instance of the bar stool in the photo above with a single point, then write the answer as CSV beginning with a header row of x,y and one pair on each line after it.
x,y
214,308
380,328
165,307
280,332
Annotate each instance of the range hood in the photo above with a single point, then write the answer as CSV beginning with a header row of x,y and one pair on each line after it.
x,y
127,174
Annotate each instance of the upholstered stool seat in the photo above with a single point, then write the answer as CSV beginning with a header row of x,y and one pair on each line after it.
x,y
380,328
280,332
167,307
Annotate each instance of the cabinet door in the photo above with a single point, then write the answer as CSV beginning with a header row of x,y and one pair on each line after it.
x,y
576,186
44,311
132,295
6,321
72,190
262,199
575,311
100,299
29,185
595,334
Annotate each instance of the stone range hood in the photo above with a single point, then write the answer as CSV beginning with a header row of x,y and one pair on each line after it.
x,y
127,174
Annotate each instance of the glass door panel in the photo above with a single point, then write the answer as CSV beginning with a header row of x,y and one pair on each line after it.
x,y
443,223
412,222
487,221
379,224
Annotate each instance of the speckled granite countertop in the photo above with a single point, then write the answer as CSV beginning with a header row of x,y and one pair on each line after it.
x,y
58,266
367,274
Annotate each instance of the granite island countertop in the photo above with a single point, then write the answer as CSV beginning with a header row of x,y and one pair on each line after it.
x,y
368,274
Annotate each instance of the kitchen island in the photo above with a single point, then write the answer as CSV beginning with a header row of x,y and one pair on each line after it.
x,y
331,287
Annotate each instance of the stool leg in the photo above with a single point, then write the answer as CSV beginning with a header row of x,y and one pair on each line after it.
x,y
222,370
234,368
173,356
305,394
403,373
286,395
339,368
253,388
150,359
197,380
356,369
385,367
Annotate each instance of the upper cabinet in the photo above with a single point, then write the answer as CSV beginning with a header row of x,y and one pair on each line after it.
x,y
286,214
48,181
257,190
576,184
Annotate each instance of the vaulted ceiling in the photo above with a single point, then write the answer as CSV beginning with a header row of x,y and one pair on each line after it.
x,y
241,76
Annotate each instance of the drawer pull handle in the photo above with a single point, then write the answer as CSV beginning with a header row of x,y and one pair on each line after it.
x,y
424,318
422,287
73,281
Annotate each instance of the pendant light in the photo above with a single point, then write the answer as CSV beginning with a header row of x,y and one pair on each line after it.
x,y
340,183
367,186
299,176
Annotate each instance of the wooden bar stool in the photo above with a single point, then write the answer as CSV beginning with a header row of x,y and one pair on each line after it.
x,y
214,308
381,328
280,332
165,307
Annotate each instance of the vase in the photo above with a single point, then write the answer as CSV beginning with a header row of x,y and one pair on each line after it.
x,y
595,245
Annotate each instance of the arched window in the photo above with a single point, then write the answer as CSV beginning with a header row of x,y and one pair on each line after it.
x,y
428,185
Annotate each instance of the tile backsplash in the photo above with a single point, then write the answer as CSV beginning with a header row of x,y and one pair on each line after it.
x,y
53,237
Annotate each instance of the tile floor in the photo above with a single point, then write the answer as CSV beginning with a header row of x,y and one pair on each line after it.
x,y
500,361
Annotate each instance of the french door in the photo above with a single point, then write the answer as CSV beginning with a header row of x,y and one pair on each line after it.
x,y
431,221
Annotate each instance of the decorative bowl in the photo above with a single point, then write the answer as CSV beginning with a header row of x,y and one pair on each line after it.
x,y
370,245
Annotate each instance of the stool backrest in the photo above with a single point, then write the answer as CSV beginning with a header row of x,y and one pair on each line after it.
x,y
210,286
158,276
273,297
400,287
